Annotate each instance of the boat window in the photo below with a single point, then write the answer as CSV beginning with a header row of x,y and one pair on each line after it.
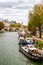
x,y
26,47
31,47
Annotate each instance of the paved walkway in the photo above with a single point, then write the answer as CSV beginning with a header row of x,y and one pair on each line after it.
x,y
37,38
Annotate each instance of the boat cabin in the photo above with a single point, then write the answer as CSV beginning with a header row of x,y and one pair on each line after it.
x,y
33,50
29,40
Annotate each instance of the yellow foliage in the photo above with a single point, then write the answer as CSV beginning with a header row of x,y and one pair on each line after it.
x,y
1,25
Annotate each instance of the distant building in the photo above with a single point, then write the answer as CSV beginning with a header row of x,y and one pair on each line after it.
x,y
6,26
13,22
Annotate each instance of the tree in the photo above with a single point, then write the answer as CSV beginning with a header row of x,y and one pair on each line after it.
x,y
31,28
12,25
18,25
1,25
36,16
15,25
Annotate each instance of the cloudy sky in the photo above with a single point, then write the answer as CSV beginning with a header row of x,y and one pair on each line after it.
x,y
16,9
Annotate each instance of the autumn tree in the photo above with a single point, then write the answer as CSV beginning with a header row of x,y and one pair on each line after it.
x,y
1,25
36,18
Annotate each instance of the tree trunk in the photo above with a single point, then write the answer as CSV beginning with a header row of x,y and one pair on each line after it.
x,y
39,32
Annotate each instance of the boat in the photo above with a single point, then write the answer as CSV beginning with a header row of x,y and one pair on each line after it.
x,y
29,40
25,41
21,34
31,52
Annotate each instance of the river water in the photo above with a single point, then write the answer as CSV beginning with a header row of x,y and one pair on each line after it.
x,y
9,51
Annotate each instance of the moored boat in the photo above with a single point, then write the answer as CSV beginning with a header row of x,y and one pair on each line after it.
x,y
25,41
31,52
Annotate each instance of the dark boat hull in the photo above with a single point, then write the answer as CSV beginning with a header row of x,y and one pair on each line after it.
x,y
23,42
30,56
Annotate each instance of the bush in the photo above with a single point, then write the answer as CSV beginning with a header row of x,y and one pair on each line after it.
x,y
39,45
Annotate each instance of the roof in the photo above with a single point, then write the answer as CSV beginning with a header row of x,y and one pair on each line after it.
x,y
32,49
21,38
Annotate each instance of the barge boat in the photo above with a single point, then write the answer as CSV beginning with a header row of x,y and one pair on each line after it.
x,y
31,52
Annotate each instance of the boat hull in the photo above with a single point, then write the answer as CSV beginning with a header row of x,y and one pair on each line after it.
x,y
23,42
30,56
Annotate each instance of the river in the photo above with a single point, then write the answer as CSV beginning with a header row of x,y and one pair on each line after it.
x,y
9,51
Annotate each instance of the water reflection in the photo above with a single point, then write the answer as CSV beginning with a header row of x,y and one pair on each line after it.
x,y
32,62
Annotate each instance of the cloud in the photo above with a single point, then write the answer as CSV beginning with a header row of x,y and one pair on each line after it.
x,y
16,9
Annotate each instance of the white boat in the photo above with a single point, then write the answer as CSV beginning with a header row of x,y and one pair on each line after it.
x,y
31,52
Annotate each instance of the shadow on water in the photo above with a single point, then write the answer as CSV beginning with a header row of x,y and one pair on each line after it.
x,y
32,62
28,61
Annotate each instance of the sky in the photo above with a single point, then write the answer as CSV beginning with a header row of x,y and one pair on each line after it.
x,y
16,9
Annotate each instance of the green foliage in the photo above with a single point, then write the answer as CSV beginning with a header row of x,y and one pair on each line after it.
x,y
40,44
1,25
12,25
15,25
31,27
18,25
